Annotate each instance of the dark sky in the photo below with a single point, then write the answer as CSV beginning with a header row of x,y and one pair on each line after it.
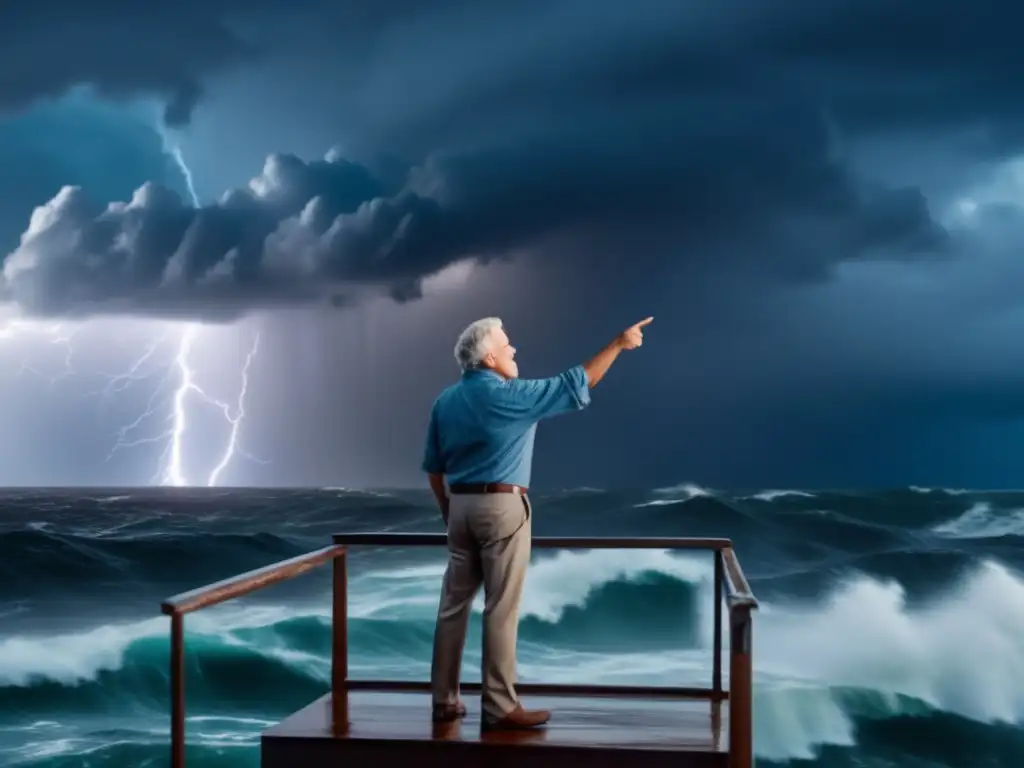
x,y
820,201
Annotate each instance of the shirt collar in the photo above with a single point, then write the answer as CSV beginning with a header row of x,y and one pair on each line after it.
x,y
474,373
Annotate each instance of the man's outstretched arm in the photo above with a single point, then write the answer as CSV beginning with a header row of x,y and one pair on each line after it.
x,y
598,365
535,399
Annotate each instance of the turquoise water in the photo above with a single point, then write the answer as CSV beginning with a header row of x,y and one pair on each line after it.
x,y
891,632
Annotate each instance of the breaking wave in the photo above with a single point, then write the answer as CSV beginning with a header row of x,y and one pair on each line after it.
x,y
891,625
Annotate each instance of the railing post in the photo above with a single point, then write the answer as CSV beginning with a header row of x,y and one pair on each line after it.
x,y
741,688
339,644
716,674
177,690
178,606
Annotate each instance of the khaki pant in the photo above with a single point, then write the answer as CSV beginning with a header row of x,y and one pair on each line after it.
x,y
489,544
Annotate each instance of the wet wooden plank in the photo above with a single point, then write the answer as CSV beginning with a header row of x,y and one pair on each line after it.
x,y
605,731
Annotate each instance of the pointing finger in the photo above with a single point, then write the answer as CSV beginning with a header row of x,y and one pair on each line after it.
x,y
642,323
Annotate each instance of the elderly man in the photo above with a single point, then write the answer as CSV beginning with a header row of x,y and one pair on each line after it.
x,y
480,437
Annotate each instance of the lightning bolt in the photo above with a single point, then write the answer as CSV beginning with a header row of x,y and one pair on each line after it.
x,y
174,473
55,333
178,382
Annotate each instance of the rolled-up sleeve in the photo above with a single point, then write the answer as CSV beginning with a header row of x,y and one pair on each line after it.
x,y
433,462
535,399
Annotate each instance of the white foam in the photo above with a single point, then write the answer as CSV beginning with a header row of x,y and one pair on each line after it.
x,y
79,657
778,494
677,494
87,745
553,583
683,667
963,653
981,522
231,719
792,721
947,491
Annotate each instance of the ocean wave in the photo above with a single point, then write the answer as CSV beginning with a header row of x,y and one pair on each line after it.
x,y
775,495
233,744
572,589
837,531
895,508
64,561
676,493
697,516
885,730
143,553
922,574
821,725
864,636
981,521
946,491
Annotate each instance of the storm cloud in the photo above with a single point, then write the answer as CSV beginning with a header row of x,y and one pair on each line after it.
x,y
325,229
124,49
820,202
641,130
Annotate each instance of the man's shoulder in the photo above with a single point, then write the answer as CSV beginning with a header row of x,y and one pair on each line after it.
x,y
446,395
478,391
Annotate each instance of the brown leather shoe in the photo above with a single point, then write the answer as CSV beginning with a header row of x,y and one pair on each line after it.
x,y
518,719
447,713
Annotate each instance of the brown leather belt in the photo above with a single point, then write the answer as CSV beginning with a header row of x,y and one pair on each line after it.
x,y
461,488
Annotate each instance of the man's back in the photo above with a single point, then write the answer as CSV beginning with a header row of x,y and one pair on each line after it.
x,y
482,428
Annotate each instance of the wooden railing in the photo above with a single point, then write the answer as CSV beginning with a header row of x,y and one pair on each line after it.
x,y
729,583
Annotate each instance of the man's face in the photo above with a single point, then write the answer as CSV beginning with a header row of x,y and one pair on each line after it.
x,y
501,358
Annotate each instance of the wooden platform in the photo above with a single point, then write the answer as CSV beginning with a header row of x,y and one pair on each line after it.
x,y
603,731
596,725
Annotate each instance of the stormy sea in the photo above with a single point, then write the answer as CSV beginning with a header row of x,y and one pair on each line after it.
x,y
891,631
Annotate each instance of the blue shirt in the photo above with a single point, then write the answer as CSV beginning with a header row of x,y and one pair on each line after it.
x,y
482,428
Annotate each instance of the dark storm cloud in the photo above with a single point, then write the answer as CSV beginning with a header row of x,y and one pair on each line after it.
x,y
872,58
687,137
167,49
76,142
886,62
702,162
693,153
121,48
305,231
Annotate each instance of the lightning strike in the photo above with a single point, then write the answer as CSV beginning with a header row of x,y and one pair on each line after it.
x,y
173,150
174,474
236,418
55,333
174,471
177,374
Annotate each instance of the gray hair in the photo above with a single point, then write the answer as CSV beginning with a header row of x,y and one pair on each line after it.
x,y
474,342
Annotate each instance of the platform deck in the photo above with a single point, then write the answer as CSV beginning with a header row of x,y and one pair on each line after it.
x,y
602,731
